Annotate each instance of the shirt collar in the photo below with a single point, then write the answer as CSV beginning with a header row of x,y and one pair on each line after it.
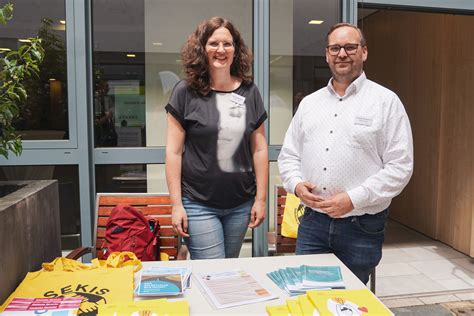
x,y
354,87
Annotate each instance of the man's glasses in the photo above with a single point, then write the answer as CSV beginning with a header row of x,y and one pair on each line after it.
x,y
216,45
350,49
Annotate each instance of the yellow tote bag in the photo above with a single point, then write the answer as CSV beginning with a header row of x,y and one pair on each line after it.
x,y
294,210
101,283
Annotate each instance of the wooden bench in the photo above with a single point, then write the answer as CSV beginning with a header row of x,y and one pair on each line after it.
x,y
279,244
151,204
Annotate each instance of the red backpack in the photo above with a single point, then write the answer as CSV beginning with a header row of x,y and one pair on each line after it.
x,y
128,230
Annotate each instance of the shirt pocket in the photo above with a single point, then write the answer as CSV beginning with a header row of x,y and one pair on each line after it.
x,y
362,136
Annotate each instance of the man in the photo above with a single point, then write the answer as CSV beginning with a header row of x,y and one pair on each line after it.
x,y
347,153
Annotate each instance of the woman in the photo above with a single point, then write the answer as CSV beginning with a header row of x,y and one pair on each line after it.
x,y
216,152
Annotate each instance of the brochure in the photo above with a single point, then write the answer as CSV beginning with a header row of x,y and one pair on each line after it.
x,y
347,302
306,306
147,307
162,281
294,307
232,288
64,306
277,279
278,310
332,303
322,277
297,280
292,282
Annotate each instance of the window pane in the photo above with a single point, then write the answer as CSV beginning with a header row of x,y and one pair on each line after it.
x,y
138,178
297,56
44,115
137,62
68,187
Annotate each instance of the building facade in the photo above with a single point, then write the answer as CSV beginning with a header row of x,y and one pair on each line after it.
x,y
95,117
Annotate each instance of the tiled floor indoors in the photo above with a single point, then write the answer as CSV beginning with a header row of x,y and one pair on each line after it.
x,y
416,270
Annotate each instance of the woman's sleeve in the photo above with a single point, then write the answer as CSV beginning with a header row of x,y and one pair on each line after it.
x,y
177,103
261,113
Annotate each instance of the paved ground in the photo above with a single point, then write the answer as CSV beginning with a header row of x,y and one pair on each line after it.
x,y
446,309
424,310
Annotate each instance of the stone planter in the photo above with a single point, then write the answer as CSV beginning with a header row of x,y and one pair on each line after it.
x,y
29,230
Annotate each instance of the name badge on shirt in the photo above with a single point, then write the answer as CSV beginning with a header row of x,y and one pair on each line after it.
x,y
237,98
363,121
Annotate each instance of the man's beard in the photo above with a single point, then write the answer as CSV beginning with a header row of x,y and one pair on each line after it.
x,y
348,77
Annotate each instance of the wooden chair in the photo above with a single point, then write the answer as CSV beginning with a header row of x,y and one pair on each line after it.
x,y
279,244
151,204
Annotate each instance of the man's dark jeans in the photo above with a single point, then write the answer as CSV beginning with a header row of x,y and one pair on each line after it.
x,y
355,240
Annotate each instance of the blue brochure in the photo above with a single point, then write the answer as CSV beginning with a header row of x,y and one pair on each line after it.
x,y
160,282
322,276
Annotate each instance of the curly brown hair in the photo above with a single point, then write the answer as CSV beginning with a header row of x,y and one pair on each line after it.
x,y
194,57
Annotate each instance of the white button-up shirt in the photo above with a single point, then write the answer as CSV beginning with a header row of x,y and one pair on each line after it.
x,y
360,143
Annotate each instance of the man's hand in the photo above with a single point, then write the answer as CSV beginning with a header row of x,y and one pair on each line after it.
x,y
303,191
257,214
179,219
337,205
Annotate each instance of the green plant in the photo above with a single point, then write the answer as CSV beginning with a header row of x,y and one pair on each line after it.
x,y
37,112
15,67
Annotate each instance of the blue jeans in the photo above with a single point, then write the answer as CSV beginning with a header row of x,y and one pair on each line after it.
x,y
355,240
216,233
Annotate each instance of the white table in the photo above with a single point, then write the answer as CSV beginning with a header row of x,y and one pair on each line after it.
x,y
258,266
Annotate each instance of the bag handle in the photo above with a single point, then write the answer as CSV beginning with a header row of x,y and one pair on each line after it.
x,y
115,260
65,264
120,259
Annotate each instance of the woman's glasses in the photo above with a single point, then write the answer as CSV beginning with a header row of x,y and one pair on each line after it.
x,y
216,45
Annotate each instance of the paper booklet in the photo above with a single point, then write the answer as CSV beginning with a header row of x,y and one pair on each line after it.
x,y
64,306
232,288
332,303
323,276
347,302
163,281
151,307
297,280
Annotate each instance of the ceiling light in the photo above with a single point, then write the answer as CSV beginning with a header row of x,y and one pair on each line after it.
x,y
131,55
157,44
2,49
24,40
62,22
52,79
315,22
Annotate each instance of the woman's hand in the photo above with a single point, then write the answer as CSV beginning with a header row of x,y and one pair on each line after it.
x,y
179,219
257,214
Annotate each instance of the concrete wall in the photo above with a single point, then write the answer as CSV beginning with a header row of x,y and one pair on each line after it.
x,y
29,231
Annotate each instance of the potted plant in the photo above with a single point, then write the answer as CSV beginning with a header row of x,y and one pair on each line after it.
x,y
15,67
29,210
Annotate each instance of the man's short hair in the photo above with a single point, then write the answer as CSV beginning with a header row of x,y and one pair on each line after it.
x,y
338,25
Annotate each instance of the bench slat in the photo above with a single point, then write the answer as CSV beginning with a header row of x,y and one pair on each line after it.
x,y
146,210
134,199
164,221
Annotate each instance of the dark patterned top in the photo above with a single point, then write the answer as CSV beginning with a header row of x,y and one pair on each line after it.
x,y
217,166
